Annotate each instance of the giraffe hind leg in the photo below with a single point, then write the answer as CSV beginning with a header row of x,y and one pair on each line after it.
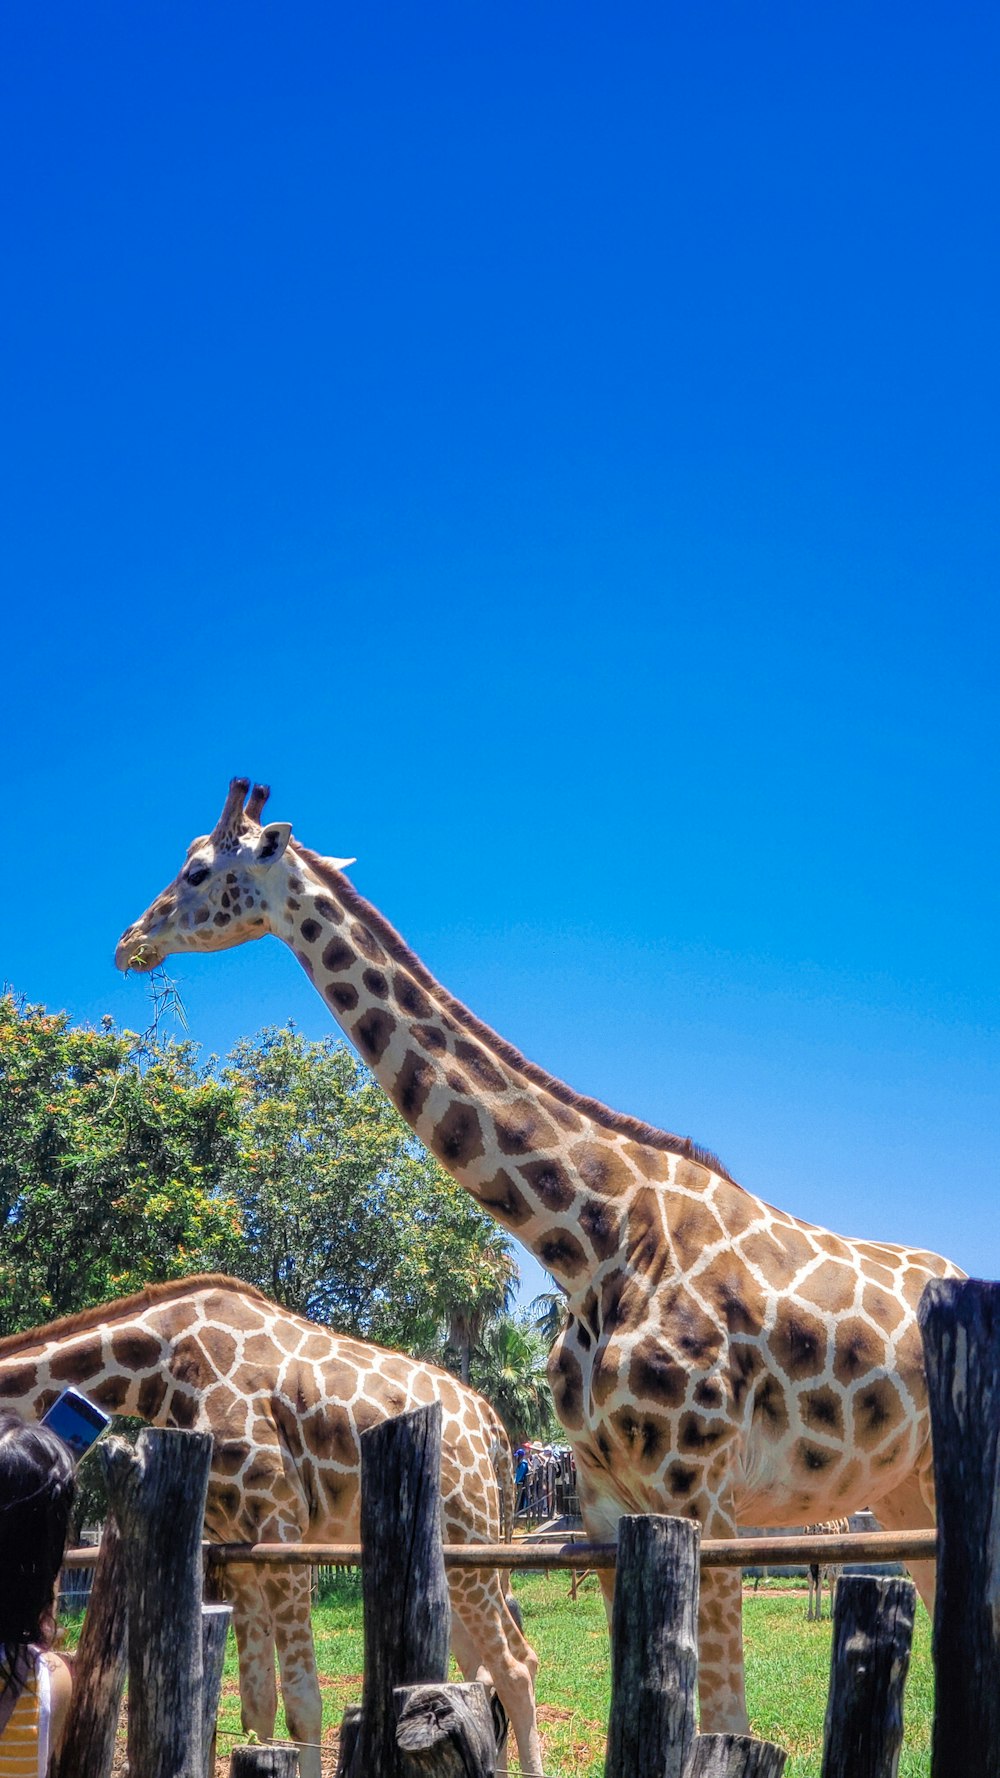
x,y
910,1507
254,1627
290,1596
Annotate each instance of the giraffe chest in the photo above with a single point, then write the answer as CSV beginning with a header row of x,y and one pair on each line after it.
x,y
645,1418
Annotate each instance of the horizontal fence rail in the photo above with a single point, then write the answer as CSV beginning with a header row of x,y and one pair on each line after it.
x,y
729,1552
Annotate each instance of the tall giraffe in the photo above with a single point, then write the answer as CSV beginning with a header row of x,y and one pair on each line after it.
x,y
720,1358
286,1402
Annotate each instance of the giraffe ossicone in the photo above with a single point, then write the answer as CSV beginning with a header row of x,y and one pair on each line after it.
x,y
720,1358
286,1401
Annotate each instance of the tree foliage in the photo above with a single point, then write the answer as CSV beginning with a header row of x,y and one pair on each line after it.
x,y
123,1163
344,1214
111,1175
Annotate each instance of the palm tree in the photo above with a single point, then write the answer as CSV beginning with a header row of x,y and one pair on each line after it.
x,y
484,1291
548,1314
508,1367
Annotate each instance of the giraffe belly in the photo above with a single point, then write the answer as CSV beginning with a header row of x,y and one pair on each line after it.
x,y
775,1481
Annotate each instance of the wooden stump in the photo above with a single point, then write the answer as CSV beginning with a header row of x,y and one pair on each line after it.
x,y
157,1493
279,1760
734,1756
99,1669
960,1324
350,1735
445,1731
872,1632
407,1608
654,1648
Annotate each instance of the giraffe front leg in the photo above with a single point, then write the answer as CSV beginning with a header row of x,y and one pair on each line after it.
x,y
290,1598
721,1688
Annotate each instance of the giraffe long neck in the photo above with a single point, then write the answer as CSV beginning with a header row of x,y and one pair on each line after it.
x,y
525,1149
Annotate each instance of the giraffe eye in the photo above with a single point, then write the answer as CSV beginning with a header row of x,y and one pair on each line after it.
x,y
197,874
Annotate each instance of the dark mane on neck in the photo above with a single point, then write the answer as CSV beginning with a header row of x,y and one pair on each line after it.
x,y
618,1121
69,1325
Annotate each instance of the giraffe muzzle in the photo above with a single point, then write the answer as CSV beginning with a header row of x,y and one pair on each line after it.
x,y
135,954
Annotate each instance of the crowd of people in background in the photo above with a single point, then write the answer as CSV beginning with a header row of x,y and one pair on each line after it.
x,y
544,1482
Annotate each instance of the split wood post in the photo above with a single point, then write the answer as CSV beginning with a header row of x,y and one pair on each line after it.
x,y
734,1756
445,1731
406,1604
279,1760
88,1748
350,1734
215,1621
872,1632
157,1492
960,1324
654,1648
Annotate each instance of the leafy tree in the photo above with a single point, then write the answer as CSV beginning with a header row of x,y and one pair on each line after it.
x,y
110,1174
345,1216
123,1163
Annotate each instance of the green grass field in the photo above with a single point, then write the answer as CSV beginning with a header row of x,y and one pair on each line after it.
x,y
788,1663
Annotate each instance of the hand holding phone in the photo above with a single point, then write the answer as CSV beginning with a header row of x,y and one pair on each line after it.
x,y
76,1421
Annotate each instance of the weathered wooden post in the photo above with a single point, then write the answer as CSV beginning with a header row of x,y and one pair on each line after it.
x,y
99,1669
445,1731
276,1760
157,1493
872,1632
215,1621
960,1323
734,1756
350,1735
654,1648
407,1610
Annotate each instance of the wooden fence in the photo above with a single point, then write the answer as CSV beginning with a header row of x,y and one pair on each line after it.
x,y
412,1721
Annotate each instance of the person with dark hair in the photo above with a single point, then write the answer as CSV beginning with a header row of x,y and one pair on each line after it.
x,y
36,1497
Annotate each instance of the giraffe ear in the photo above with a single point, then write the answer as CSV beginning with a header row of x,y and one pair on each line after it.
x,y
270,843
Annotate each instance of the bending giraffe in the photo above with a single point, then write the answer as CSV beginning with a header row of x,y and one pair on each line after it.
x,y
286,1402
720,1358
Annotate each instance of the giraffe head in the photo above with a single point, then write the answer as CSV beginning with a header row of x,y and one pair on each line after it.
x,y
223,893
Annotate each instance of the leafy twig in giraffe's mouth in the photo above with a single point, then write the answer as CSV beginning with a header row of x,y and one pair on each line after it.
x,y
166,1002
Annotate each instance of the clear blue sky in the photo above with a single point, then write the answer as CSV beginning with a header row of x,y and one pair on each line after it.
x,y
556,446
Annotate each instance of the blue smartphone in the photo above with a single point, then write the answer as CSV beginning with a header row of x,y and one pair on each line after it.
x,y
76,1421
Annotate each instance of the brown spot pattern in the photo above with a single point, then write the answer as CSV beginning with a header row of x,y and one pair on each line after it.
x,y
373,1033
412,1084
367,943
798,1341
601,1169
342,995
654,1376
411,999
483,1071
549,1183
458,1137
520,1129
561,1252
503,1200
